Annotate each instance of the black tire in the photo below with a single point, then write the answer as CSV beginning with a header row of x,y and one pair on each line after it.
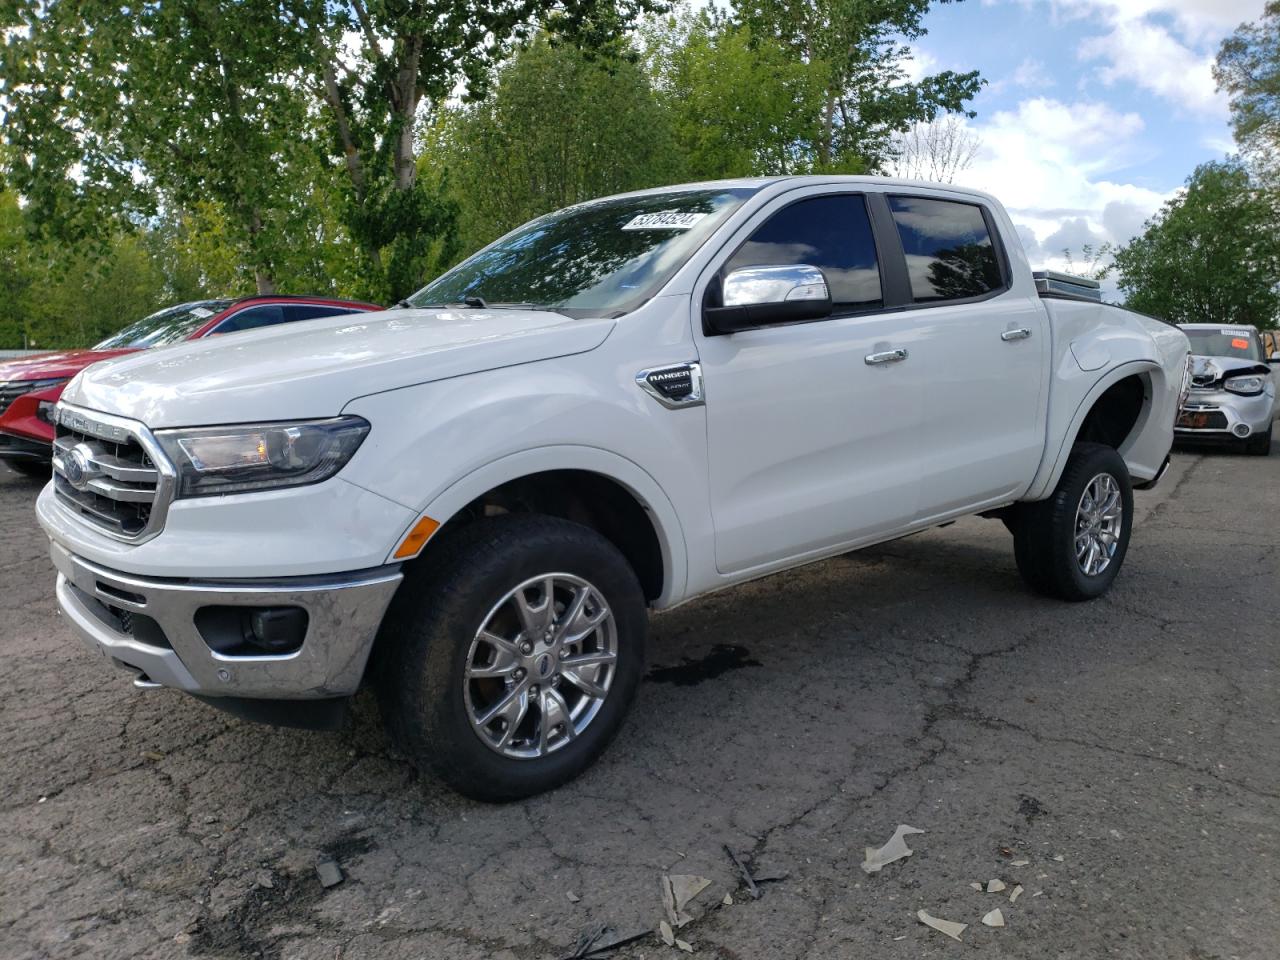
x,y
1259,445
423,647
35,469
1044,533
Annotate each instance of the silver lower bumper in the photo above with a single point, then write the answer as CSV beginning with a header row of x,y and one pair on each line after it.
x,y
343,614
1239,417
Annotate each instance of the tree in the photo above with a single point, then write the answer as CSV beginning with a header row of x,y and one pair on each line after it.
x,y
381,63
740,105
116,111
559,126
1211,255
1248,69
861,46
936,151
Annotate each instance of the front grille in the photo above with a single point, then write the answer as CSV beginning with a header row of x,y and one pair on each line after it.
x,y
108,471
1202,418
10,392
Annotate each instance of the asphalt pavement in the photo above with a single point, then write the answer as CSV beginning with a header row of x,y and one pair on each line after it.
x,y
1118,760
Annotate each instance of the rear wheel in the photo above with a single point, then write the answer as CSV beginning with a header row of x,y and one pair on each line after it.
x,y
512,654
1072,545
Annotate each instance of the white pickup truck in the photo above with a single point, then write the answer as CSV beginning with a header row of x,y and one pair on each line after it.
x,y
618,406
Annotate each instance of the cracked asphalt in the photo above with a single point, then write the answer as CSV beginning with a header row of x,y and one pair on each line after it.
x,y
1128,749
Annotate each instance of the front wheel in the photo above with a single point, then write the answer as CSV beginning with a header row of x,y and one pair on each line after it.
x,y
511,654
1259,444
1072,545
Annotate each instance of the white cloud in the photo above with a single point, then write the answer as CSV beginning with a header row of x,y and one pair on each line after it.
x,y
1053,164
1152,58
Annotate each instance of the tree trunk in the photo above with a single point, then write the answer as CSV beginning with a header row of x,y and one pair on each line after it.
x,y
266,282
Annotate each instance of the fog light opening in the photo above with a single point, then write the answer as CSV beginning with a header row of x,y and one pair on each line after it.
x,y
252,631
1242,430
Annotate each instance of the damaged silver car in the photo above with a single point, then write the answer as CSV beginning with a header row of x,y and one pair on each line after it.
x,y
1233,388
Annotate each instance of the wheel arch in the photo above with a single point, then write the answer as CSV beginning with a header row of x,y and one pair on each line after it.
x,y
1115,411
600,489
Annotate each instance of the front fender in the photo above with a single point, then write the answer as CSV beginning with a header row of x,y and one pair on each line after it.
x,y
657,505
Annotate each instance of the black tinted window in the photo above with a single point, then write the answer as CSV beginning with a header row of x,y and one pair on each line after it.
x,y
310,311
831,233
252,318
949,251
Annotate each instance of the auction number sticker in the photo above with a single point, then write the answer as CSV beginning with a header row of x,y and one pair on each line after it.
x,y
201,312
663,220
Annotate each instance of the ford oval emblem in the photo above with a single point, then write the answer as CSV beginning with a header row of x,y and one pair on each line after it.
x,y
78,468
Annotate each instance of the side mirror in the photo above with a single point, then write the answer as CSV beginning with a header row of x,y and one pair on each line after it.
x,y
755,296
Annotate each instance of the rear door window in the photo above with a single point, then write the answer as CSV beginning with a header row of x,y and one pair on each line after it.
x,y
832,233
949,249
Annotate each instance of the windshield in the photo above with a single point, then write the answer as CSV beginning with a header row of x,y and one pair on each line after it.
x,y
603,258
1237,342
165,326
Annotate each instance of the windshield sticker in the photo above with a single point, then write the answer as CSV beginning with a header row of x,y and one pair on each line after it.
x,y
663,220
1240,344
201,312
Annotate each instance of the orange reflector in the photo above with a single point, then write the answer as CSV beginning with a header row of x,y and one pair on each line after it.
x,y
418,536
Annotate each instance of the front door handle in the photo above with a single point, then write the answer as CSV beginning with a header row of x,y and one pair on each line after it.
x,y
888,356
1022,333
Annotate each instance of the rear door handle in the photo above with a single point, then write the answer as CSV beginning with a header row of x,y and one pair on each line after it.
x,y
888,356
1022,333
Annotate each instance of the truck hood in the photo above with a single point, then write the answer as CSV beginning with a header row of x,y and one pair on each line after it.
x,y
316,367
53,366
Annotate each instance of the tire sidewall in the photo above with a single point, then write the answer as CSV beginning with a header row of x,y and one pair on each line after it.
x,y
1095,460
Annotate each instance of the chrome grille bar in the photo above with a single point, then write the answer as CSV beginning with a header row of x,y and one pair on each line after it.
x,y
110,472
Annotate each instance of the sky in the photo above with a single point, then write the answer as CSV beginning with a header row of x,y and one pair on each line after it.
x,y
1095,112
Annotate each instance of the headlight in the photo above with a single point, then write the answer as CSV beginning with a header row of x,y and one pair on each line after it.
x,y
262,456
1246,385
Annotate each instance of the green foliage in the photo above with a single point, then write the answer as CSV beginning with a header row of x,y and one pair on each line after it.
x,y
739,105
559,126
1211,255
1248,69
860,49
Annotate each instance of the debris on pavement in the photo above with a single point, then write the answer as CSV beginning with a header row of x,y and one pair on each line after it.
x,y
1059,857
896,849
664,931
994,919
677,892
948,927
976,886
995,886
595,942
728,900
1017,892
684,945
747,878
155,756
1019,863
573,897
329,872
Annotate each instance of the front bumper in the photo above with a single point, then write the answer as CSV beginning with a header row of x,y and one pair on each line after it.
x,y
1220,414
149,626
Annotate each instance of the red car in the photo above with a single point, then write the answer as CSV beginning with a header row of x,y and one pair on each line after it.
x,y
30,386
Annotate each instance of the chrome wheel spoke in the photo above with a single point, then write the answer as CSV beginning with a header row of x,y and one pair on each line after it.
x,y
588,686
1099,521
529,686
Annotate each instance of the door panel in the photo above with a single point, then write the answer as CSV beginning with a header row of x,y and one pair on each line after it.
x,y
809,446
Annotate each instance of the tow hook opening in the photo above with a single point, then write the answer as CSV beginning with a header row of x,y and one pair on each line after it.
x,y
252,631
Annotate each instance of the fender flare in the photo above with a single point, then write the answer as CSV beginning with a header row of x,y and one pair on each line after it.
x,y
1051,469
631,476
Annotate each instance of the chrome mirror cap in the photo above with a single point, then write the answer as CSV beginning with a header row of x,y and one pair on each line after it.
x,y
756,286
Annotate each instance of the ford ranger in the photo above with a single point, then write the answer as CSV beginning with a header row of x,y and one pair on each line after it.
x,y
472,499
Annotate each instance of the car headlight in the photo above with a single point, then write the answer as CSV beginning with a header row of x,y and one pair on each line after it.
x,y
1245,385
262,456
